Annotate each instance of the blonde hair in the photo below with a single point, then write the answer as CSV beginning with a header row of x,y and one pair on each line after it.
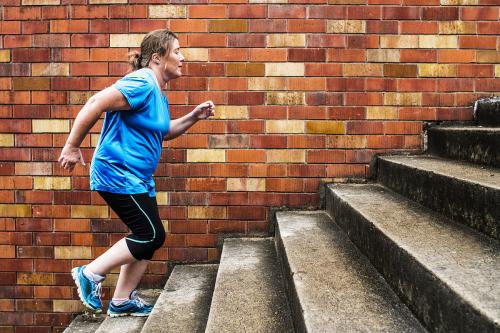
x,y
157,41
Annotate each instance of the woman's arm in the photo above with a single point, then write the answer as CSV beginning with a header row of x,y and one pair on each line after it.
x,y
108,99
181,125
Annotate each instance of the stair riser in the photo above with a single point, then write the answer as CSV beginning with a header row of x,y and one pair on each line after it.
x,y
477,147
488,111
293,297
470,204
435,304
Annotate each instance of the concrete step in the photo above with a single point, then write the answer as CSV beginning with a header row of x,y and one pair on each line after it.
x,y
448,274
249,294
129,324
85,323
487,111
184,304
332,286
473,144
465,192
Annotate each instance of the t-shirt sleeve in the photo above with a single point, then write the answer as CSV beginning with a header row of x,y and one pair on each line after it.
x,y
136,89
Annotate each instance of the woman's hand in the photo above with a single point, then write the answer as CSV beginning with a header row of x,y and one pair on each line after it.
x,y
204,110
70,156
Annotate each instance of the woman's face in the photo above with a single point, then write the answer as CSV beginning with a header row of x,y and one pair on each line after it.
x,y
172,63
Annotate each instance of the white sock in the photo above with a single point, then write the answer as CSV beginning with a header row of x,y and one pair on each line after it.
x,y
119,301
93,276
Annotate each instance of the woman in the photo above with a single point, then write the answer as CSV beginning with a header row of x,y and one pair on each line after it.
x,y
136,122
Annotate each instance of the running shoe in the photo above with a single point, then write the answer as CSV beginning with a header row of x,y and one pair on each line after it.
x,y
89,291
135,306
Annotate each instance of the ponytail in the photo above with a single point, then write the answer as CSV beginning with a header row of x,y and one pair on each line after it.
x,y
134,59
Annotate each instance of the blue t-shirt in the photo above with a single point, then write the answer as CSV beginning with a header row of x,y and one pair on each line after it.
x,y
131,140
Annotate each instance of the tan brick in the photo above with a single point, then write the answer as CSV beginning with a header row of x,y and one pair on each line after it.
x,y
231,112
346,141
41,279
285,126
40,2
488,56
111,280
266,83
437,42
7,251
459,2
409,99
162,198
203,212
346,26
286,40
228,26
325,127
399,42
381,112
94,139
382,55
4,55
72,252
125,40
80,97
15,210
67,305
497,70
52,183
195,54
437,70
97,2
50,125
457,27
165,224
246,184
285,98
33,168
346,2
206,155
167,11
363,69
285,69
285,156
52,69
84,211
6,140
31,83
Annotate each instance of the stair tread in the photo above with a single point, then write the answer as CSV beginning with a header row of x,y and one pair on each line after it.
x,y
129,324
337,287
465,260
465,171
85,323
184,302
467,128
249,293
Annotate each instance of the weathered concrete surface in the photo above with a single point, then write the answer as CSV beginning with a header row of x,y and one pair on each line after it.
x,y
473,144
448,274
184,304
465,192
487,111
332,286
129,324
249,294
85,323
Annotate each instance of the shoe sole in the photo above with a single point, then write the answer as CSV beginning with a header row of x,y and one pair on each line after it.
x,y
113,315
74,274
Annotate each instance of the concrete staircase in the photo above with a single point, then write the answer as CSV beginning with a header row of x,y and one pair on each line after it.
x,y
418,250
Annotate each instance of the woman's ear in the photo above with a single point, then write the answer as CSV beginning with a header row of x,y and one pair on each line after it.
x,y
155,57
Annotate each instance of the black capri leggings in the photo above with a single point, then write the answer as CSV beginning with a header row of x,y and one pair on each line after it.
x,y
140,213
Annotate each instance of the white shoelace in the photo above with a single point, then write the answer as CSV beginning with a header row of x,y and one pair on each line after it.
x,y
98,290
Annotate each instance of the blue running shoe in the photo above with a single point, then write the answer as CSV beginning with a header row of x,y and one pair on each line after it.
x,y
135,306
89,291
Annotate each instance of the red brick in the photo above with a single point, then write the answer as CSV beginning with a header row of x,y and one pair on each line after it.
x,y
228,170
53,292
289,12
324,98
245,126
359,156
418,55
146,25
15,126
300,170
51,238
35,27
268,141
31,111
89,69
246,98
267,25
109,26
254,156
228,84
207,11
51,40
307,55
346,170
14,41
197,97
53,319
246,11
187,25
247,40
62,26
70,83
22,13
246,213
325,156
488,28
346,84
475,70
89,40
445,13
492,85
55,12
16,318
70,55
340,55
362,42
228,54
10,27
371,98
306,141
416,27
39,197
267,170
226,226
433,100
401,13
382,27
128,11
328,12
478,13
477,42
187,254
454,85
89,12
49,97
401,127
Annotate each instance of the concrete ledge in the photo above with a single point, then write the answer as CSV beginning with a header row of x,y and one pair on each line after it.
x,y
85,323
487,111
473,144
249,295
465,192
332,286
448,274
184,304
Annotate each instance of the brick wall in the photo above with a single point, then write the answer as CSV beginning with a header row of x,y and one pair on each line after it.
x,y
305,91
